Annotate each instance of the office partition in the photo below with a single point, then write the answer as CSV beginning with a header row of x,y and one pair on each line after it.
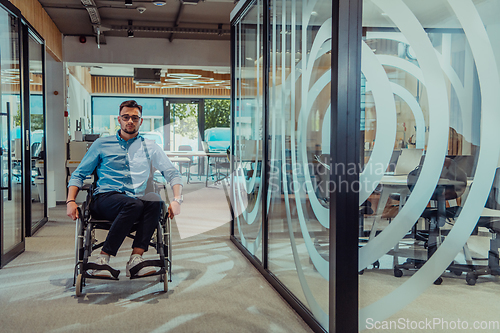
x,y
291,123
365,158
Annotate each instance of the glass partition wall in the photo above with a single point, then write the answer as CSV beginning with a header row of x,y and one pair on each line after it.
x,y
299,150
248,130
431,157
11,154
36,50
365,160
281,147
23,192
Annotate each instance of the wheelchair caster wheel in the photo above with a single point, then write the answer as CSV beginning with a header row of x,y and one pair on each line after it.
x,y
471,279
438,281
398,273
79,285
165,282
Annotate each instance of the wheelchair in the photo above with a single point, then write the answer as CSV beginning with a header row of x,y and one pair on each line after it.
x,y
86,243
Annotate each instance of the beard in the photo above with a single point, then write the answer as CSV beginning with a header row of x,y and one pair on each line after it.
x,y
132,131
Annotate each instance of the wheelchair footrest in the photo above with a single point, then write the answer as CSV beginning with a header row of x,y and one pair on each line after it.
x,y
94,266
147,263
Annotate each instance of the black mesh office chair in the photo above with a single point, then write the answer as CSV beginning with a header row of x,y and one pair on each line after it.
x,y
451,185
490,219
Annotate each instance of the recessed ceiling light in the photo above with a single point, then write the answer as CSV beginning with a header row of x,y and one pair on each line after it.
x,y
160,3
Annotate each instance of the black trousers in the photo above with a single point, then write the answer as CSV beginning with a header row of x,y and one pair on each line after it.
x,y
126,211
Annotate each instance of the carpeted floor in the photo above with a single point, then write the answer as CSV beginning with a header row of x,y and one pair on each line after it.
x,y
214,288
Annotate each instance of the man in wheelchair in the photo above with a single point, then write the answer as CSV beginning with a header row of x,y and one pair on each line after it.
x,y
122,164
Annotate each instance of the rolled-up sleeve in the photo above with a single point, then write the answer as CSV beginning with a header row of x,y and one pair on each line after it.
x,y
86,166
163,164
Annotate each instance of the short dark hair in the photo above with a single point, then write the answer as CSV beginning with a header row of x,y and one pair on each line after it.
x,y
130,104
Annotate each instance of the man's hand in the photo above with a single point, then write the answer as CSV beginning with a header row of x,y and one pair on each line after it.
x,y
174,209
72,210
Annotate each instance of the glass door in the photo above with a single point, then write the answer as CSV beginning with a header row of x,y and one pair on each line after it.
x,y
184,127
37,133
11,161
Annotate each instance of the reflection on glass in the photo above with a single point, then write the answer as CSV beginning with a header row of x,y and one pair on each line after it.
x,y
428,107
10,135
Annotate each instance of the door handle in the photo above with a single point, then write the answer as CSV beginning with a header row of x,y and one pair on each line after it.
x,y
9,157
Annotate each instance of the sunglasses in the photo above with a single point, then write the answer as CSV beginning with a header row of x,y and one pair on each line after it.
x,y
126,117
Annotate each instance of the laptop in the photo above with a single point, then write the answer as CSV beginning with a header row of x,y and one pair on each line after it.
x,y
408,161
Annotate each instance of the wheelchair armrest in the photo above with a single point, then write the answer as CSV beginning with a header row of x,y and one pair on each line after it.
x,y
87,187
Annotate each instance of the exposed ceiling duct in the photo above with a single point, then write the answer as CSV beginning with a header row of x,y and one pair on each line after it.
x,y
219,32
183,19
95,19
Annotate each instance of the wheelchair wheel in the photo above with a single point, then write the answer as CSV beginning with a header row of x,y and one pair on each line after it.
x,y
79,285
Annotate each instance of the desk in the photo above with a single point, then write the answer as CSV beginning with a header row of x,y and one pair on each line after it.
x,y
188,154
194,153
446,189
175,159
398,184
391,184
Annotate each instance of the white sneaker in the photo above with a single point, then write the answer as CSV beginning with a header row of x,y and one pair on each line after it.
x,y
101,260
136,259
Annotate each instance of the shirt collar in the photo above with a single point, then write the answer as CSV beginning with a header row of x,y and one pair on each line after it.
x,y
131,140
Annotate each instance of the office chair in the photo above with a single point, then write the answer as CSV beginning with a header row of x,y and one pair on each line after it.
x,y
451,185
490,219
186,164
321,166
217,163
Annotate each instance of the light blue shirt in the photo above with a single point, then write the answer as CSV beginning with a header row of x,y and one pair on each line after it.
x,y
124,166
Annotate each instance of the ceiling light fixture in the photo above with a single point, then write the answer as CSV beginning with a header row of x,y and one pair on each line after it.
x,y
159,3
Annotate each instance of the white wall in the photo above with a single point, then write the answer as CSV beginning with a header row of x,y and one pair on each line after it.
x,y
148,51
79,106
56,145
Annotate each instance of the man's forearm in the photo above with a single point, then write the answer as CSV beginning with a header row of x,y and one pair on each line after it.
x,y
72,192
177,189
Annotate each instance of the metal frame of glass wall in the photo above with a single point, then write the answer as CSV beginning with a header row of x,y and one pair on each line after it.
x,y
22,98
28,32
343,148
19,247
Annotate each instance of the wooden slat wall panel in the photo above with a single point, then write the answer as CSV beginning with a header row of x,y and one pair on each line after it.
x,y
126,85
33,11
